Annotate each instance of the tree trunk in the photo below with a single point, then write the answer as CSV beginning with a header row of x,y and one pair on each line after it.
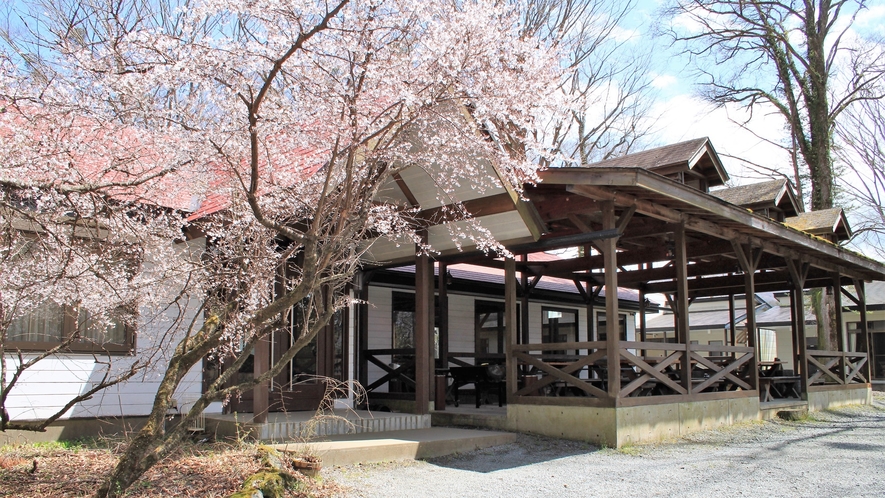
x,y
824,311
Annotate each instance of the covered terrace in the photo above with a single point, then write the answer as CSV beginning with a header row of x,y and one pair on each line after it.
x,y
647,222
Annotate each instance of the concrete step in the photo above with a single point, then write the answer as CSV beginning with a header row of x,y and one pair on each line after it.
x,y
295,426
790,409
398,445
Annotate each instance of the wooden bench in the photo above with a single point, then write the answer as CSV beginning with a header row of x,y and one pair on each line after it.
x,y
779,387
482,379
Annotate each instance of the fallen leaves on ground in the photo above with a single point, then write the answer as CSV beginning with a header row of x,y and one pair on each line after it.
x,y
205,471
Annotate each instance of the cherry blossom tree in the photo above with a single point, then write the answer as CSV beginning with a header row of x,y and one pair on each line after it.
x,y
282,120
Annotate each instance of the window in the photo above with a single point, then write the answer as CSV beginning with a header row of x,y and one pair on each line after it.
x,y
404,322
601,326
51,324
489,327
559,325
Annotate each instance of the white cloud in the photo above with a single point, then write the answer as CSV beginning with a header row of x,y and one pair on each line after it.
x,y
685,117
661,81
872,18
621,34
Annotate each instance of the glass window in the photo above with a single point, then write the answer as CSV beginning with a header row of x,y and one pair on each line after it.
x,y
51,324
601,326
559,325
404,322
489,328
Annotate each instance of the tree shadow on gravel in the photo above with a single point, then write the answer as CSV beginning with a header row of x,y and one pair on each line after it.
x,y
527,450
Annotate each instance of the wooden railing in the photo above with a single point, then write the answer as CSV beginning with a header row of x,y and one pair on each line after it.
x,y
399,376
836,368
710,369
473,359
532,361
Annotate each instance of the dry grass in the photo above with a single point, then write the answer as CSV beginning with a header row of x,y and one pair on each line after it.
x,y
208,470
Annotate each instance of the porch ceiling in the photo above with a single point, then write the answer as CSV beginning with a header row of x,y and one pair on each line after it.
x,y
569,201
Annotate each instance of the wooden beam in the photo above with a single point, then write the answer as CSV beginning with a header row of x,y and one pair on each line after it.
x,y
261,391
510,325
697,224
745,255
443,283
563,242
625,218
841,338
864,326
363,326
423,328
558,205
798,273
407,192
483,206
612,333
683,333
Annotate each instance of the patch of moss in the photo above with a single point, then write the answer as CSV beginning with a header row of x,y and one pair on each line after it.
x,y
271,483
270,458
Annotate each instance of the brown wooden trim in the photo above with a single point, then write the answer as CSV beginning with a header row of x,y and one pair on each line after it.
x,y
510,331
392,396
423,328
407,192
483,206
76,347
578,179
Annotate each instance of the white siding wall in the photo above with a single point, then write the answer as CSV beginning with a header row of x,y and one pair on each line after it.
x,y
462,323
50,384
380,329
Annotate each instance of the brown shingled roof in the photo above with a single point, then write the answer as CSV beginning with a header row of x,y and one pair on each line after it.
x,y
668,155
777,193
754,193
822,222
687,155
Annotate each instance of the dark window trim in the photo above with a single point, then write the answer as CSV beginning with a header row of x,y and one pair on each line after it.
x,y
85,346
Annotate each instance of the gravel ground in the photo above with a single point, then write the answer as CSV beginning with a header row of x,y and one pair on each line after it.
x,y
834,453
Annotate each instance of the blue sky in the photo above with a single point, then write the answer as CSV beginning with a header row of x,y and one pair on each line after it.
x,y
683,115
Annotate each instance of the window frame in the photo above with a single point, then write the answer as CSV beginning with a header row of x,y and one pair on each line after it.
x,y
70,323
622,333
545,328
74,345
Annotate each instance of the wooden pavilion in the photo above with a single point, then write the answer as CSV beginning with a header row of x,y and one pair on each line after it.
x,y
647,222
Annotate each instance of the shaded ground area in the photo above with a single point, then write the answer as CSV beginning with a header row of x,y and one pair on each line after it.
x,y
209,470
835,453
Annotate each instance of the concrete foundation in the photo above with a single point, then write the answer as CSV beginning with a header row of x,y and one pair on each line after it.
x,y
855,394
76,428
302,426
621,426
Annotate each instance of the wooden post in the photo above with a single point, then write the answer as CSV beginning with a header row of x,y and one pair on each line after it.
x,y
612,334
444,314
643,335
840,327
748,258
798,273
510,324
261,391
731,321
423,331
524,309
363,328
796,314
683,332
864,326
